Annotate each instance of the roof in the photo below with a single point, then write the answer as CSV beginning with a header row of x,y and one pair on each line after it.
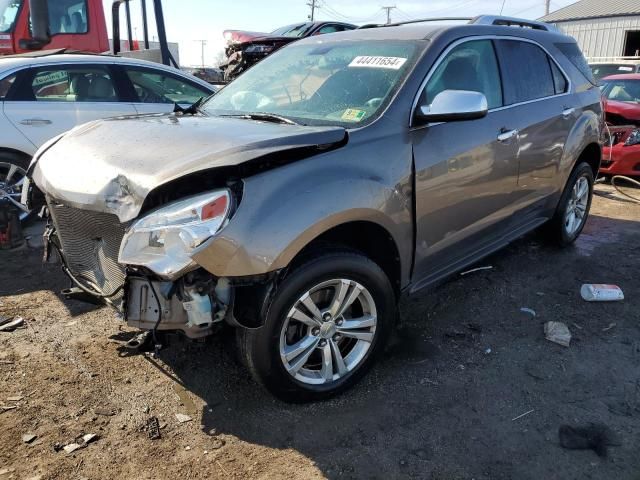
x,y
594,9
17,61
623,76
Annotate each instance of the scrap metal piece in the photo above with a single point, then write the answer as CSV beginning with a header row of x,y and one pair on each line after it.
x,y
153,428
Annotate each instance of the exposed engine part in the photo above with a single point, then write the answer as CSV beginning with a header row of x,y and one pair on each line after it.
x,y
191,305
199,309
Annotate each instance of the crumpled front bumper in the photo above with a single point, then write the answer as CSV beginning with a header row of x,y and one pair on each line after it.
x,y
621,159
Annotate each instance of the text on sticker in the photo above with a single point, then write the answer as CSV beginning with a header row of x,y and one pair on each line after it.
x,y
393,63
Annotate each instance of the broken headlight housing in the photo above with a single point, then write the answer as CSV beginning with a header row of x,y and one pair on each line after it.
x,y
164,240
634,138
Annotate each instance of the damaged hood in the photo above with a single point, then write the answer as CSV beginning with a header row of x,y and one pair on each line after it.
x,y
112,165
628,111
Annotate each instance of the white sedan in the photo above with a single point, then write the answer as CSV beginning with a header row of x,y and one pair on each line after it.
x,y
44,96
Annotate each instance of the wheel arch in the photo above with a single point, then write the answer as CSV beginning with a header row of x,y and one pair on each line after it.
x,y
365,236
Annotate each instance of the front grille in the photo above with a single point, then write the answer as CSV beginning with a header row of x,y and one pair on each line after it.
x,y
90,244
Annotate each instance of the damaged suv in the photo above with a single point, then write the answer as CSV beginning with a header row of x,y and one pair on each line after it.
x,y
303,199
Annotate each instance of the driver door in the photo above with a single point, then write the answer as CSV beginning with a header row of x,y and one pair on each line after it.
x,y
157,91
465,171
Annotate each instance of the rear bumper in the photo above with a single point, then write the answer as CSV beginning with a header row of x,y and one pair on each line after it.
x,y
621,160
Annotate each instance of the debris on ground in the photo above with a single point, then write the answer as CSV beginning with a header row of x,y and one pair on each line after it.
x,y
6,408
217,443
12,325
557,332
523,415
29,437
609,327
15,398
105,412
529,311
182,418
153,428
77,444
479,269
594,436
598,292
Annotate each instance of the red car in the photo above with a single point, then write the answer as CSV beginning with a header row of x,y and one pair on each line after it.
x,y
621,95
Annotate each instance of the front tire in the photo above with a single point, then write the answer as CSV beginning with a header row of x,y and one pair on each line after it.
x,y
328,321
573,208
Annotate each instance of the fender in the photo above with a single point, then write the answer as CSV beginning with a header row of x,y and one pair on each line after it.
x,y
586,130
281,214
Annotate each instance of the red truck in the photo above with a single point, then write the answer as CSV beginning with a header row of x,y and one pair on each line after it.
x,y
73,24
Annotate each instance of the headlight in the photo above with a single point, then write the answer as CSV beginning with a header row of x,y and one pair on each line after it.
x,y
165,239
259,49
634,138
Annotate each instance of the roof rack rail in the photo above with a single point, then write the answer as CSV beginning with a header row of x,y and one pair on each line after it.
x,y
418,20
497,20
511,22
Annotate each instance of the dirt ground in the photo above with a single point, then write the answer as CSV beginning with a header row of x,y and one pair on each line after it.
x,y
443,404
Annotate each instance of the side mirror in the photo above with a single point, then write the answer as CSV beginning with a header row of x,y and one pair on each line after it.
x,y
40,33
453,105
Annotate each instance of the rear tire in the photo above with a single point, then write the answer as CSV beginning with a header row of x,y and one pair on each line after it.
x,y
573,209
336,342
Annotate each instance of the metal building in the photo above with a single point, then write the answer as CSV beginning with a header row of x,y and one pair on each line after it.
x,y
603,28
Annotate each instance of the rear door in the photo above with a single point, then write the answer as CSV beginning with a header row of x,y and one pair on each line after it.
x,y
53,99
536,96
157,91
466,171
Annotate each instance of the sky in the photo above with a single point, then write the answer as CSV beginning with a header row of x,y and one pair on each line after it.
x,y
189,21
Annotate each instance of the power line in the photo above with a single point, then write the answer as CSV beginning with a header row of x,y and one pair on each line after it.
x,y
332,12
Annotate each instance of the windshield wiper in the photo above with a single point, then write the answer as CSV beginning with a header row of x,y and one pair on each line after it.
x,y
190,110
265,117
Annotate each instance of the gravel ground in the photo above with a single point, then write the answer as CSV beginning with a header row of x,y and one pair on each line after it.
x,y
469,388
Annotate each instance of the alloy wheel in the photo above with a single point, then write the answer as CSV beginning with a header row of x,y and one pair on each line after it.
x,y
11,181
576,212
328,331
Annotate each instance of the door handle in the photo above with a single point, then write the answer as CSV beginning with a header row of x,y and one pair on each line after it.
x,y
567,112
32,122
506,135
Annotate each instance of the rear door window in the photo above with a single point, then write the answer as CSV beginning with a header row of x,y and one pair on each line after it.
x,y
470,66
73,84
526,71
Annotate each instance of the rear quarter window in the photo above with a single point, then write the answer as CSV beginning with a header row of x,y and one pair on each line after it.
x,y
575,56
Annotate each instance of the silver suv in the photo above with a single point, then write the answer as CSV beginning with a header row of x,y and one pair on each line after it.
x,y
303,199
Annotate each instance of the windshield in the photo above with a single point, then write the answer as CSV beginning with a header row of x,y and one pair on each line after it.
x,y
604,70
296,30
622,90
8,13
345,83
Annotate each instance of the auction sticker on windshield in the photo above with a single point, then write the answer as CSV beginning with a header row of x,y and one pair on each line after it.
x,y
392,63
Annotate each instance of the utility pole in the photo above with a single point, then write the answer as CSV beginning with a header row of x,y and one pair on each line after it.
x,y
313,5
388,9
547,4
202,44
